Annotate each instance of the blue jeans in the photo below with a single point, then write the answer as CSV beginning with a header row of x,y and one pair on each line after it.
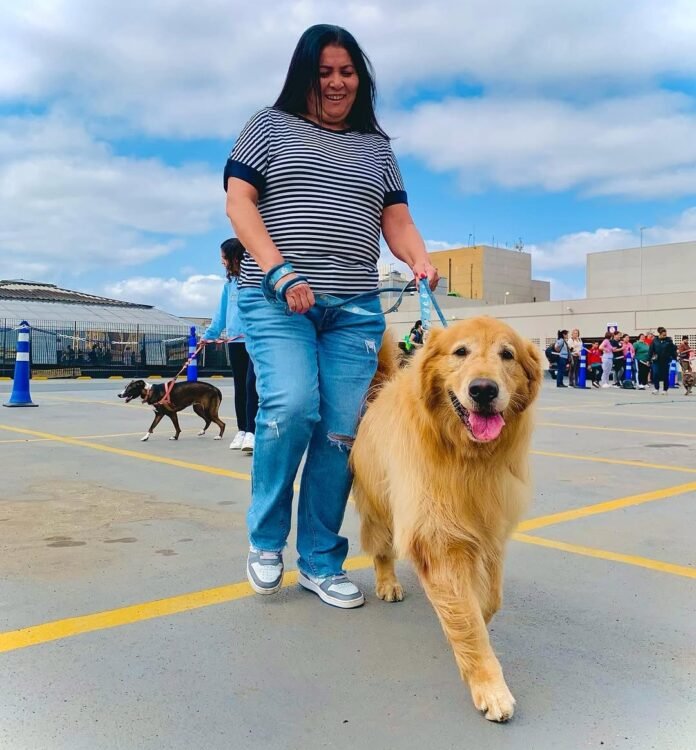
x,y
560,372
312,373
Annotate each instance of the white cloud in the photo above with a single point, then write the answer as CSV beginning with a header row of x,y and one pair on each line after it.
x,y
68,202
642,145
198,295
183,69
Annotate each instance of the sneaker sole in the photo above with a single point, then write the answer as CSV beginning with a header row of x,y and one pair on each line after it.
x,y
247,450
264,592
306,583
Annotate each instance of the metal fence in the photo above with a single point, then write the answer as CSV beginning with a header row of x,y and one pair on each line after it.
x,y
105,346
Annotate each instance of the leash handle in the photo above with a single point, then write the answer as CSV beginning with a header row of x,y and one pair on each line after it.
x,y
428,303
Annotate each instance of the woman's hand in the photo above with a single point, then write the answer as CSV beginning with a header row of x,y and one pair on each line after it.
x,y
424,269
299,298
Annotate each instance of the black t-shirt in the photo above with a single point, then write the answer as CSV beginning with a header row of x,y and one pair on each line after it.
x,y
618,356
417,336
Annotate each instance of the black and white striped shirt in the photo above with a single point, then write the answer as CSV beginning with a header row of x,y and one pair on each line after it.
x,y
321,197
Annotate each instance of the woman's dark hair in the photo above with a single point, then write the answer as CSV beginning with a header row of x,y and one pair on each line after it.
x,y
233,252
661,329
418,324
303,77
562,333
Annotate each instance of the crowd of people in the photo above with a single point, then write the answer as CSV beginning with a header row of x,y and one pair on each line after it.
x,y
617,360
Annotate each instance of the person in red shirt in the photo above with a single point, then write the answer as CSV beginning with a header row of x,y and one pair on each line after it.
x,y
594,363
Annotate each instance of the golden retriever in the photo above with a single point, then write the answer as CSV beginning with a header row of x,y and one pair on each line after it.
x,y
442,478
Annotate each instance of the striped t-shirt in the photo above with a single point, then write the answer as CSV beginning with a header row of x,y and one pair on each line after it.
x,y
321,197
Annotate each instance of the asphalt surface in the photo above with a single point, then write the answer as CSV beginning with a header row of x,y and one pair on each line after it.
x,y
106,641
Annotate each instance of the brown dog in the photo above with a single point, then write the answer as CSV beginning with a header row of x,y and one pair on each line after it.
x,y
203,397
442,478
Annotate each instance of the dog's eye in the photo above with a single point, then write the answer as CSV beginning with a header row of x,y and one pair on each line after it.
x,y
507,354
461,352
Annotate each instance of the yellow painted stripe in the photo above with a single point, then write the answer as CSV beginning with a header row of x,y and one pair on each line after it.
x,y
115,377
592,510
84,377
77,437
576,549
113,618
39,377
615,461
567,426
4,377
130,454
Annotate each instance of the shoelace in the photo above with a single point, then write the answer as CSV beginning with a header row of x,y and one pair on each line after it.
x,y
270,556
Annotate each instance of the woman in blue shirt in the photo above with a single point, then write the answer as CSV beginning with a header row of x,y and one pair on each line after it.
x,y
227,319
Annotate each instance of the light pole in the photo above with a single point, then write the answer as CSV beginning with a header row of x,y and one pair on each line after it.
x,y
641,235
507,294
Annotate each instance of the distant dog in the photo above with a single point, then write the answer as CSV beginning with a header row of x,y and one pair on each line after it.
x,y
689,382
204,398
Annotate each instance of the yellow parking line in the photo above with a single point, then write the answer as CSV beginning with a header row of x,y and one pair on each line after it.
x,y
566,425
576,549
76,437
113,618
130,454
615,461
592,510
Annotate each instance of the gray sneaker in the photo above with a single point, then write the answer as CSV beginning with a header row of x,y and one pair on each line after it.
x,y
339,590
265,571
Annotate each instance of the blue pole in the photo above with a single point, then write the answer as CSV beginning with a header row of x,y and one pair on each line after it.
x,y
628,373
582,372
673,373
192,369
20,386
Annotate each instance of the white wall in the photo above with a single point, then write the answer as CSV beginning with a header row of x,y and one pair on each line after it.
x,y
657,269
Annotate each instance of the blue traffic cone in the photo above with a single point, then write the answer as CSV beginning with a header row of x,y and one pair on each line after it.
x,y
20,395
192,369
673,373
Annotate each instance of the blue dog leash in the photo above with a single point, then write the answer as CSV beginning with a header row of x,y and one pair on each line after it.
x,y
329,301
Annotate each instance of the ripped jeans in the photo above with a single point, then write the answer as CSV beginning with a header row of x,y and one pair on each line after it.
x,y
312,373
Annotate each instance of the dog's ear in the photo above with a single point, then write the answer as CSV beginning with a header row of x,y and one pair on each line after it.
x,y
530,360
431,383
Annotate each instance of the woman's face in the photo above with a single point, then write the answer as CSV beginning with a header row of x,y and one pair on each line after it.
x,y
576,333
339,86
224,262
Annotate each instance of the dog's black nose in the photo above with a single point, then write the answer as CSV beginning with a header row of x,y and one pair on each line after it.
x,y
483,391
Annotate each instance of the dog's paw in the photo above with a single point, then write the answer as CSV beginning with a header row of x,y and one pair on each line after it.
x,y
494,699
201,433
145,437
174,437
218,437
390,591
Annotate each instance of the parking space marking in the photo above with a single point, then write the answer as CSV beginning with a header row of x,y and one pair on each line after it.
x,y
568,426
620,415
76,437
602,554
130,454
616,461
113,618
606,507
118,404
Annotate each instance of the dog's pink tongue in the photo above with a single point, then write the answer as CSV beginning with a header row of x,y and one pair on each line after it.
x,y
486,427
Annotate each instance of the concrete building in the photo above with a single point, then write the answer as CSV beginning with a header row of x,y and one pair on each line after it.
x,y
490,274
656,269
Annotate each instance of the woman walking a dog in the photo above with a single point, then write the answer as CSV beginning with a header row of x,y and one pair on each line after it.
x,y
227,319
310,183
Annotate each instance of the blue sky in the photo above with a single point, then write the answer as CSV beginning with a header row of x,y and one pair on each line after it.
x,y
568,125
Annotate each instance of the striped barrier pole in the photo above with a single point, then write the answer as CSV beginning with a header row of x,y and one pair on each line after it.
x,y
628,372
673,373
192,369
20,386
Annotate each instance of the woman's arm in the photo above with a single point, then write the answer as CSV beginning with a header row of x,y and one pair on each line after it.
x,y
242,199
219,321
405,242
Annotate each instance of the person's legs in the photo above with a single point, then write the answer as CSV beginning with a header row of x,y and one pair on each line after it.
x,y
663,376
348,345
572,370
560,372
252,403
643,370
607,362
239,359
284,350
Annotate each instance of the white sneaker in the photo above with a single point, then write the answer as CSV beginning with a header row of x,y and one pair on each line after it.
x,y
606,385
655,392
248,442
237,441
641,387
338,590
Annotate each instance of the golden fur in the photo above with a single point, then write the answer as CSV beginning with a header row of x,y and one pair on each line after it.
x,y
426,490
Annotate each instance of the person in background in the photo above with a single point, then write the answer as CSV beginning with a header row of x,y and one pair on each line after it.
x,y
662,352
685,352
575,345
642,354
563,351
227,319
594,364
619,359
628,349
607,349
416,335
